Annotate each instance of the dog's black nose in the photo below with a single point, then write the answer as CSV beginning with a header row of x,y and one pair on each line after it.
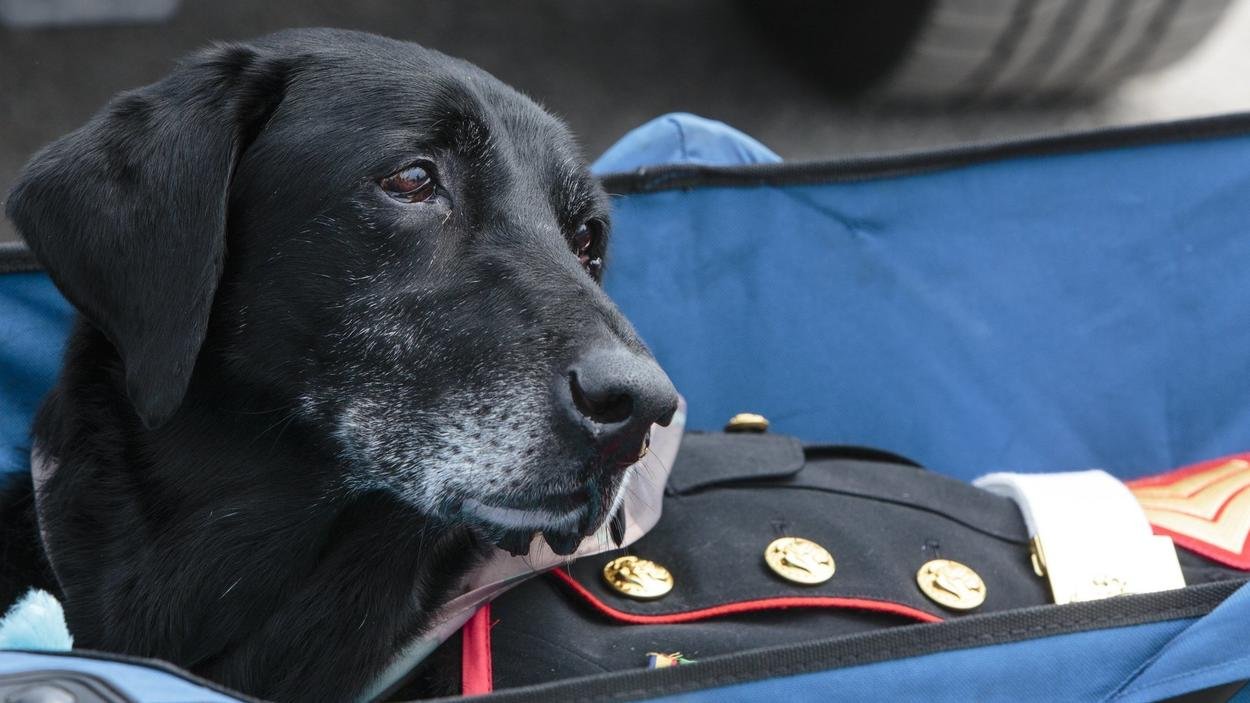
x,y
621,394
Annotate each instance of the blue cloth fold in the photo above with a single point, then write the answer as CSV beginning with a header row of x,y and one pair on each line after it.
x,y
686,139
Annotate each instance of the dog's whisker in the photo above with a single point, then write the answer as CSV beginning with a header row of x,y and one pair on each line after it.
x,y
214,517
261,412
231,588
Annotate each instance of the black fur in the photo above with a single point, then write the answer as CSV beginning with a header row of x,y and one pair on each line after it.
x,y
262,421
22,565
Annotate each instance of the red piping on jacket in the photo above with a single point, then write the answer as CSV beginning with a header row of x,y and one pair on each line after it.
x,y
747,606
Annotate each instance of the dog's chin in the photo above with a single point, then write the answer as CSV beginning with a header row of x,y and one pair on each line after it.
x,y
513,529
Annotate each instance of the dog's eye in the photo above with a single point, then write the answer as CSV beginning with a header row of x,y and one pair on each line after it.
x,y
411,185
583,240
585,237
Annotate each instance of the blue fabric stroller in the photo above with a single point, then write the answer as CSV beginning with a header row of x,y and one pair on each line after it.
x,y
1045,305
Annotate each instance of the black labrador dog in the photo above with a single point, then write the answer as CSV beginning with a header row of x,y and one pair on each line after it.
x,y
341,334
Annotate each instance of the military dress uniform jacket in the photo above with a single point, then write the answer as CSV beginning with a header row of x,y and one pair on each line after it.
x,y
765,542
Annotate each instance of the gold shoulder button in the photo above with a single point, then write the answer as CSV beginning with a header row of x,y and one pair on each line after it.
x,y
951,584
799,560
640,579
747,422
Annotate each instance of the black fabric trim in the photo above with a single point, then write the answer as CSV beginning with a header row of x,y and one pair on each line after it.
x,y
896,643
680,176
16,258
156,664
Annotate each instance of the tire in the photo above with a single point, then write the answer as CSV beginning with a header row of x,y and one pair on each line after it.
x,y
996,50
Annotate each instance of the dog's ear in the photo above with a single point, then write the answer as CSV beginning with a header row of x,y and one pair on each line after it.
x,y
128,213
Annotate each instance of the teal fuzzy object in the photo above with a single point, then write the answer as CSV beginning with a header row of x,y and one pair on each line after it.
x,y
36,621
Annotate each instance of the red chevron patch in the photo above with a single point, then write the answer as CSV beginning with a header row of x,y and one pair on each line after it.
x,y
1204,508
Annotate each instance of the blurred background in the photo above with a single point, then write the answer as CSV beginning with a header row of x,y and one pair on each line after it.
x,y
811,80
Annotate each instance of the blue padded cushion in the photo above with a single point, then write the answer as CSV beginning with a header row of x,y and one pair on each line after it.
x,y
1036,313
34,320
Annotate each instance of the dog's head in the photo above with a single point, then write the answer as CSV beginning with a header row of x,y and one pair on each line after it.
x,y
397,247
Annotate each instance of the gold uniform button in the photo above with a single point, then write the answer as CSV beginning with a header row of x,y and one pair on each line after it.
x,y
799,560
951,584
747,422
640,579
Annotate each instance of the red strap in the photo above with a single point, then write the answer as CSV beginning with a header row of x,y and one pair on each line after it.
x,y
749,606
475,667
